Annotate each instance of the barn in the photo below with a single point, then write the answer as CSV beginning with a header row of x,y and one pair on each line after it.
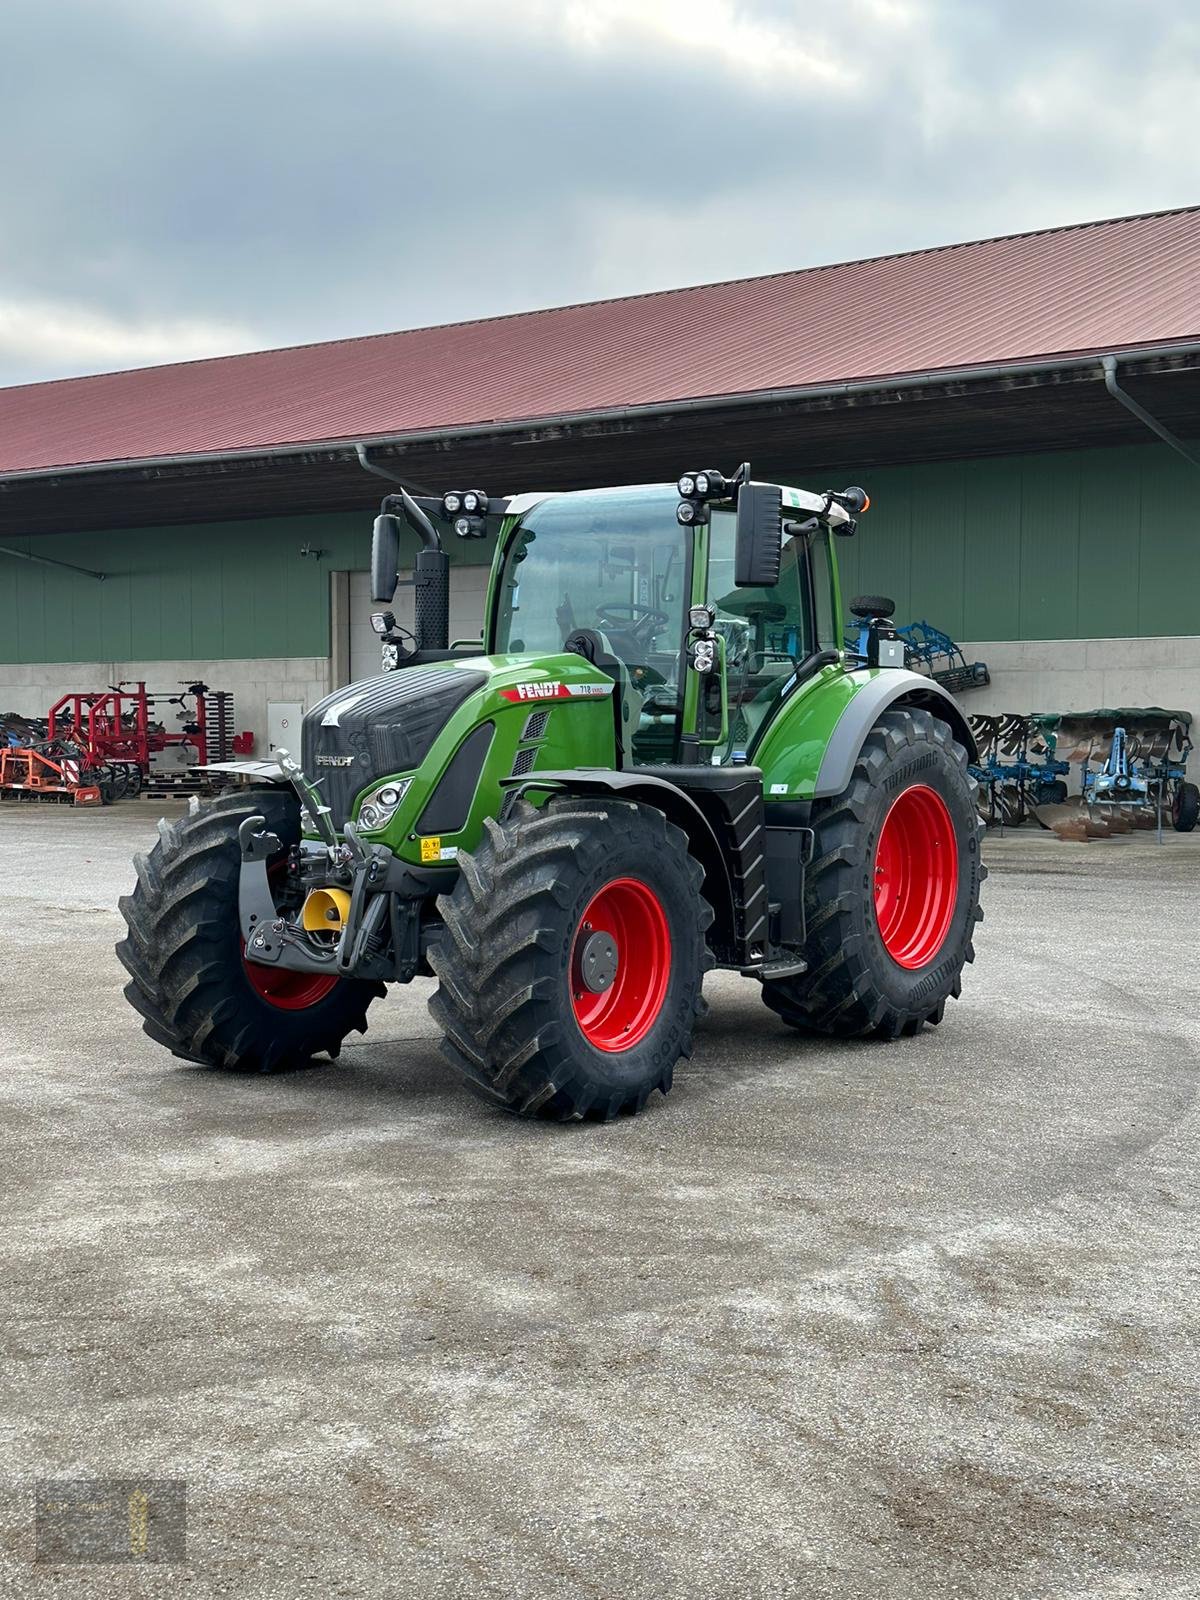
x,y
1021,409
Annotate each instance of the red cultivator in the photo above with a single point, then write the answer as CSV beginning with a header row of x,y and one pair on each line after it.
x,y
99,744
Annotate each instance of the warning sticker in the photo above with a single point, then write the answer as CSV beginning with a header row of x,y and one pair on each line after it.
x,y
433,850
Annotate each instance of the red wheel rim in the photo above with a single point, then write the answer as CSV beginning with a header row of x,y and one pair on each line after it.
x,y
286,991
916,876
632,917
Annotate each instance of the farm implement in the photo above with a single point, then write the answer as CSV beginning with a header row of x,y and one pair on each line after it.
x,y
101,744
1134,758
1019,769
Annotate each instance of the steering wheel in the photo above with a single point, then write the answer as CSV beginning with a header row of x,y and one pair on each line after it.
x,y
631,617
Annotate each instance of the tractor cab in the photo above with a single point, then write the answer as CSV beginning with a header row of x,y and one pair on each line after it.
x,y
703,607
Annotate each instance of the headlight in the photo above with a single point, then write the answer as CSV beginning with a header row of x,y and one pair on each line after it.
x,y
690,511
474,501
380,805
702,483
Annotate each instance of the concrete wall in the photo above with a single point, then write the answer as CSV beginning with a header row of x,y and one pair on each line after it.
x,y
1087,674
32,689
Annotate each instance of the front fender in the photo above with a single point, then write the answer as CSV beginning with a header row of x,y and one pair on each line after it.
x,y
641,785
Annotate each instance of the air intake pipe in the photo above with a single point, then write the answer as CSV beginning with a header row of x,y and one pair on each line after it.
x,y
431,599
431,570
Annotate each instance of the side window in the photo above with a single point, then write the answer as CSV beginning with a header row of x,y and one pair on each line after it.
x,y
764,632
829,627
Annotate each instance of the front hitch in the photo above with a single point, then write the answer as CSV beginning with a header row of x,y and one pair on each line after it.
x,y
377,914
270,939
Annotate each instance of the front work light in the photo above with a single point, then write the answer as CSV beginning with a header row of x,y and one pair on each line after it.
x,y
707,485
470,527
383,621
377,809
452,503
690,512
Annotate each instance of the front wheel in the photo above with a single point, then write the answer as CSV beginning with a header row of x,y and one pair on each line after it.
x,y
892,896
188,976
572,958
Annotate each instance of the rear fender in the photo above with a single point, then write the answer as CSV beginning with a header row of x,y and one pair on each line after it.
x,y
889,691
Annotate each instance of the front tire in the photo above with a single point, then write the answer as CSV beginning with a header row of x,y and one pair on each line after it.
x,y
571,963
892,896
195,992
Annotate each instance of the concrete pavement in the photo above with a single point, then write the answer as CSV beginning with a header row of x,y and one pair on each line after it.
x,y
835,1319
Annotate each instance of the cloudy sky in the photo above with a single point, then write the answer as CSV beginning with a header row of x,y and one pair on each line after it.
x,y
190,177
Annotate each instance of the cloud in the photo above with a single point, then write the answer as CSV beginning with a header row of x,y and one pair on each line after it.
x,y
276,171
50,336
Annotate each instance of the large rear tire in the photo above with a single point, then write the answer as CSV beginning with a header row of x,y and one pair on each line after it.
x,y
572,959
188,978
892,896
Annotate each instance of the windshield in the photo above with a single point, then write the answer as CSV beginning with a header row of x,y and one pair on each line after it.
x,y
606,569
765,631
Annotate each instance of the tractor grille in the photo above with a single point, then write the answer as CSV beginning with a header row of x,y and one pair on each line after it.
x,y
535,725
368,731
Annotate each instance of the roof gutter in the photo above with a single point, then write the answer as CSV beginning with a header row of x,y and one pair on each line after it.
x,y
906,383
1109,364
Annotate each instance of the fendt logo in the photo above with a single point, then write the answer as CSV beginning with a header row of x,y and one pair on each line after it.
x,y
555,691
335,761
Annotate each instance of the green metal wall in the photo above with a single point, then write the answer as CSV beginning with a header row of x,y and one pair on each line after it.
x,y
1078,545
216,590
1101,543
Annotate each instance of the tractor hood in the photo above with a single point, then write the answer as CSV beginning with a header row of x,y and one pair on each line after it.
x,y
380,726
412,720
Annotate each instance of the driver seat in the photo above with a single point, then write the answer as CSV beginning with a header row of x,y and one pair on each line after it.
x,y
595,647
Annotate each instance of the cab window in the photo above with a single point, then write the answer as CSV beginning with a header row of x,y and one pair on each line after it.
x,y
765,632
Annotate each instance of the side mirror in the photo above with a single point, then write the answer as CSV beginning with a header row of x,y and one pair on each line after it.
x,y
759,538
385,557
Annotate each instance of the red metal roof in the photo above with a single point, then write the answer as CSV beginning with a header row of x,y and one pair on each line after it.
x,y
1092,287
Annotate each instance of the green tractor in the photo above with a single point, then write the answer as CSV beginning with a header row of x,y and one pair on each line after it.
x,y
659,758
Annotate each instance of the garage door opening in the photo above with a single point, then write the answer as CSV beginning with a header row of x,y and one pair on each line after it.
x,y
355,643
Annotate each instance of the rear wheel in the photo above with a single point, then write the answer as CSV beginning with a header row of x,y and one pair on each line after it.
x,y
189,979
571,963
1185,807
892,897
